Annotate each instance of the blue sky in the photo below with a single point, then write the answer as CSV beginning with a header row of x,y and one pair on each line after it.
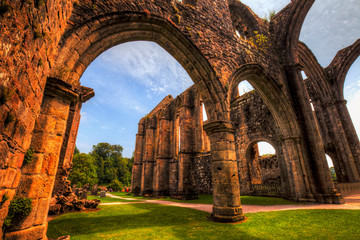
x,y
132,78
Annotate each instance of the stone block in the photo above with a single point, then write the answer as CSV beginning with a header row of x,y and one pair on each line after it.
x,y
7,177
55,107
49,165
36,186
4,151
35,166
42,211
223,155
38,232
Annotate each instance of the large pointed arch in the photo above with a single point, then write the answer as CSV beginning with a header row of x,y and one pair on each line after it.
x,y
272,95
82,45
341,64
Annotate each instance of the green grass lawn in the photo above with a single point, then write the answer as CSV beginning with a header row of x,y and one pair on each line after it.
x,y
108,199
208,199
152,221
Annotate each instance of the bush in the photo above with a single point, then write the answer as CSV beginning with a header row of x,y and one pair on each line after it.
x,y
19,208
116,185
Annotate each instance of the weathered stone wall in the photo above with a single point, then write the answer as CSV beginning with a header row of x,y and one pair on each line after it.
x,y
45,40
202,173
176,152
270,171
253,122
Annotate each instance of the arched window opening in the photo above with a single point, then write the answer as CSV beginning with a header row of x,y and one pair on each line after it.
x,y
204,113
331,168
129,80
263,8
244,87
263,169
303,74
266,149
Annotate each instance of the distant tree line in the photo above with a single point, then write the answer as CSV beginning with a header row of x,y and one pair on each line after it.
x,y
103,165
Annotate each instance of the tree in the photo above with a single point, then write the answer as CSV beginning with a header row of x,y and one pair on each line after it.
x,y
116,185
83,170
333,174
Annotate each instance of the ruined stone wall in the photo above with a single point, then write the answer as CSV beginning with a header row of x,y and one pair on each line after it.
x,y
270,171
29,36
253,122
45,46
202,173
179,159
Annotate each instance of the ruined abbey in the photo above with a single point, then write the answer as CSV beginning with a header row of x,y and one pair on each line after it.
x,y
45,46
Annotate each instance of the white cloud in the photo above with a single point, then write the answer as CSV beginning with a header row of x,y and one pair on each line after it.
x,y
149,65
353,107
330,26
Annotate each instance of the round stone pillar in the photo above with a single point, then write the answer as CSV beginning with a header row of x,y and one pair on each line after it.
x,y
225,179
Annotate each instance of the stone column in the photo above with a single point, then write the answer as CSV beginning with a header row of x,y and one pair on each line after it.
x,y
138,161
341,149
173,164
312,146
186,189
38,176
225,179
161,185
350,132
62,185
148,162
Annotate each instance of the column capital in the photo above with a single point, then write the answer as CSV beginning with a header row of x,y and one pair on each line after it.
x,y
58,88
85,93
218,126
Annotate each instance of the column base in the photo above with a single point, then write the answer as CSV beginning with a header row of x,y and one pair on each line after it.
x,y
147,193
184,195
136,191
159,194
38,232
227,214
333,198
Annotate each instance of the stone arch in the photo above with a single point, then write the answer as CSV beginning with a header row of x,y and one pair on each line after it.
x,y
315,73
299,185
271,93
254,164
341,64
80,46
287,26
325,88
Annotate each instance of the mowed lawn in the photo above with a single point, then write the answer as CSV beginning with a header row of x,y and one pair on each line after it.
x,y
208,199
153,221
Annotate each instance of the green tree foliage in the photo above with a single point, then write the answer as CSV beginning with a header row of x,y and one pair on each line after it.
x,y
116,185
83,170
103,165
111,165
333,174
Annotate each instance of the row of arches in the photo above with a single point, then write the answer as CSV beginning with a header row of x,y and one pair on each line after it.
x,y
274,74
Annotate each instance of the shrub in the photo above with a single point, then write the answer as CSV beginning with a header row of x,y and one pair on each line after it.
x,y
116,185
19,208
28,156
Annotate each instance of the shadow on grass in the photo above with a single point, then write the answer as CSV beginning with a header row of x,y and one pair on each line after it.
x,y
137,221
